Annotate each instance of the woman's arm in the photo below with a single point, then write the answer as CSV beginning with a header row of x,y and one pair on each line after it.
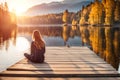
x,y
33,48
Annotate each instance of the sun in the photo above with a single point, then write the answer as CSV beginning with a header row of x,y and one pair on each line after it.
x,y
19,6
19,11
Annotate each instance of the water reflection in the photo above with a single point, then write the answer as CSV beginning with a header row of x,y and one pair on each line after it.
x,y
22,44
66,34
69,32
11,47
14,53
85,34
45,31
6,34
55,36
105,41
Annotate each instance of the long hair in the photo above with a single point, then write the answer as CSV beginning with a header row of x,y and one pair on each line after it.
x,y
37,38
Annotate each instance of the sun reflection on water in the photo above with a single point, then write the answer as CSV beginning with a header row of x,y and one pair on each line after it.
x,y
13,53
22,44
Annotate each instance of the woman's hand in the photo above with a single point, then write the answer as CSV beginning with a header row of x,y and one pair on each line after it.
x,y
37,45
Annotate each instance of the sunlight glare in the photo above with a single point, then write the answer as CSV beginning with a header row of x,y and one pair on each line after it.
x,y
20,6
22,44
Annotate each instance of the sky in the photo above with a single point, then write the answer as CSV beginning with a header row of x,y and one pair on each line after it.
x,y
22,5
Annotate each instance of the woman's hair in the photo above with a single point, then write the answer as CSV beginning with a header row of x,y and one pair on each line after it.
x,y
37,38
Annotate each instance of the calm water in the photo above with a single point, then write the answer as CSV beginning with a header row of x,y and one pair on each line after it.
x,y
13,45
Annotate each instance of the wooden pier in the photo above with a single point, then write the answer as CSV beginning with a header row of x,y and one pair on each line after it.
x,y
62,63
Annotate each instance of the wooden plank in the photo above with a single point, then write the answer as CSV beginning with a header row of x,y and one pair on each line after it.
x,y
76,51
63,65
73,62
69,59
71,55
36,78
58,69
73,47
90,60
60,74
74,59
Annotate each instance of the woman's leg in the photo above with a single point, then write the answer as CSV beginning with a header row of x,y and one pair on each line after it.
x,y
27,56
32,54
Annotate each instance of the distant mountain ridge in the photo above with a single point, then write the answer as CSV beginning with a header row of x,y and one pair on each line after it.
x,y
55,7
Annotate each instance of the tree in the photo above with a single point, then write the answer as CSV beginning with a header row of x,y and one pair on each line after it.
x,y
96,15
74,22
109,12
65,16
84,14
117,11
6,6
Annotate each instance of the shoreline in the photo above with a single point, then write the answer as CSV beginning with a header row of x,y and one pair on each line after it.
x,y
60,25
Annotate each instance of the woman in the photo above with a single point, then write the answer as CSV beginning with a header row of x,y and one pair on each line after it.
x,y
37,48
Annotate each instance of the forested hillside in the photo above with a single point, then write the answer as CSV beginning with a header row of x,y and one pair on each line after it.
x,y
105,12
99,12
7,19
45,19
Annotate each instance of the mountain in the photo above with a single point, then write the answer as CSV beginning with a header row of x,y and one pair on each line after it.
x,y
55,7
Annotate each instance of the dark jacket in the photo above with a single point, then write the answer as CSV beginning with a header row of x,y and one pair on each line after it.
x,y
37,55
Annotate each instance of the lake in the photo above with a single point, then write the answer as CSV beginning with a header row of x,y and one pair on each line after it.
x,y
104,41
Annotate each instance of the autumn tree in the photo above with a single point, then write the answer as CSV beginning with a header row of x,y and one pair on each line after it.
x,y
117,11
109,12
104,2
84,15
6,20
6,6
65,16
97,13
74,22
